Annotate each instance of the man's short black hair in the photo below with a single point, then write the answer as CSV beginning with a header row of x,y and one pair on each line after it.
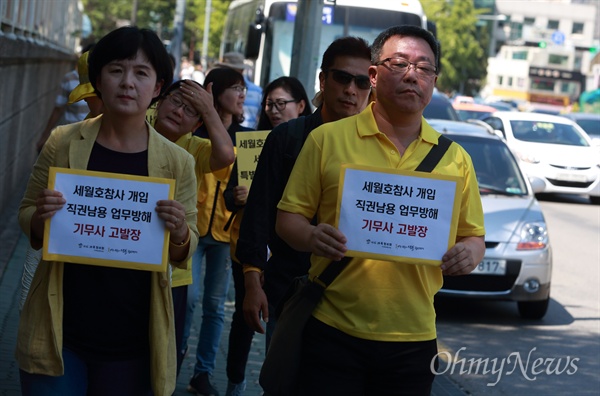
x,y
405,31
355,47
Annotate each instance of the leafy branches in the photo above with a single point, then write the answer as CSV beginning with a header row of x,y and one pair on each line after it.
x,y
463,42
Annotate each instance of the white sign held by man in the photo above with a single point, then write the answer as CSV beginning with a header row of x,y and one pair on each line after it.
x,y
394,215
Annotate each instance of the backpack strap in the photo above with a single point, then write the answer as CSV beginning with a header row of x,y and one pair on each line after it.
x,y
434,155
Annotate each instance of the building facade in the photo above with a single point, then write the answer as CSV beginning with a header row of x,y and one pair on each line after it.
x,y
546,51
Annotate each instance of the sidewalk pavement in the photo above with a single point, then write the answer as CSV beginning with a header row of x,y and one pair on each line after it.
x,y
12,256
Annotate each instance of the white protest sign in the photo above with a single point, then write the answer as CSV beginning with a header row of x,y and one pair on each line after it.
x,y
109,220
393,215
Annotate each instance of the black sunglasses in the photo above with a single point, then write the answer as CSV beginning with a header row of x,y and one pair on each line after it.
x,y
345,78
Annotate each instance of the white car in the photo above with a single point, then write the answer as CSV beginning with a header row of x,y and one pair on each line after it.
x,y
589,122
517,265
554,149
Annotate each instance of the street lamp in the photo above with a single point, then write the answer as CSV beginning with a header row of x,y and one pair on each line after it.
x,y
494,19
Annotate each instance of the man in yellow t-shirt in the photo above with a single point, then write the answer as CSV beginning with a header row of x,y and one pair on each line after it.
x,y
374,329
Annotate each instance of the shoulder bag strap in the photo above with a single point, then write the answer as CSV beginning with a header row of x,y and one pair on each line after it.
x,y
434,155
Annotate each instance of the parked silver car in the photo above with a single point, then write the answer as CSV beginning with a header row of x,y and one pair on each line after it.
x,y
518,258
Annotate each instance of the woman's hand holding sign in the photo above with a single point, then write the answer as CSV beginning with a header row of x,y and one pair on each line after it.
x,y
47,204
173,213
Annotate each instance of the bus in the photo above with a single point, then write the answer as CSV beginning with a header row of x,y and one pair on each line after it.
x,y
263,30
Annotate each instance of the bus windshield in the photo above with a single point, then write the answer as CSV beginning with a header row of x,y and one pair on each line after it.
x,y
338,21
263,30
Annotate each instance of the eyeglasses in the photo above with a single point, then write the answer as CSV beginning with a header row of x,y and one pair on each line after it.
x,y
240,89
345,78
278,104
176,101
401,66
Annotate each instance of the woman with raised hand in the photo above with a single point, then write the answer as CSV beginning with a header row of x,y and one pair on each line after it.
x,y
95,330
181,110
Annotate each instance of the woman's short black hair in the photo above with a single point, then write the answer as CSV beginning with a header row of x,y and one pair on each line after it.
x,y
291,85
124,43
223,78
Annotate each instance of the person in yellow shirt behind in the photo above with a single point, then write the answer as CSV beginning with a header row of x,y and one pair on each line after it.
x,y
185,106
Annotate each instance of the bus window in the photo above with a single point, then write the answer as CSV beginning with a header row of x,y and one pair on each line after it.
x,y
346,17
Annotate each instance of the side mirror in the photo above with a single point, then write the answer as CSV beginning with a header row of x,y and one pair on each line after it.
x,y
253,43
537,185
499,133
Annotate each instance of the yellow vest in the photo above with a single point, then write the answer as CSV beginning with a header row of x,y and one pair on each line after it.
x,y
212,213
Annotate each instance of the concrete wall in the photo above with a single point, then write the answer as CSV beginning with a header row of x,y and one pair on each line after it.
x,y
31,75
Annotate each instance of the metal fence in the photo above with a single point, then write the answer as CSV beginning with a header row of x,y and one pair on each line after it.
x,y
53,23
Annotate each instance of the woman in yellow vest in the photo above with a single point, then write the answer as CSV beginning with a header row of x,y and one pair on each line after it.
x,y
185,106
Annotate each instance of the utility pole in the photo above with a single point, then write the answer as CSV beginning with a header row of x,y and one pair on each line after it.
x,y
207,12
305,47
134,9
178,36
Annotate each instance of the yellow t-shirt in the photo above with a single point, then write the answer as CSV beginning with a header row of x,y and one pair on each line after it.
x,y
373,299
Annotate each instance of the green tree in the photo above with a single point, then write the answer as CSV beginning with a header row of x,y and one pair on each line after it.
x,y
464,59
106,15
194,26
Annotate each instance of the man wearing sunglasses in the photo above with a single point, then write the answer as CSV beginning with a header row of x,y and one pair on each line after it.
x,y
344,91
373,332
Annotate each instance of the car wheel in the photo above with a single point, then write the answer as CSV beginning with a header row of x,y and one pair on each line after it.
x,y
595,200
533,309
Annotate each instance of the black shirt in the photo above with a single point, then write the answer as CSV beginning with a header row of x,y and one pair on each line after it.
x,y
257,229
107,310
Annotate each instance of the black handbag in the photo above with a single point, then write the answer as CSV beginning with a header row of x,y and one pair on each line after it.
x,y
279,372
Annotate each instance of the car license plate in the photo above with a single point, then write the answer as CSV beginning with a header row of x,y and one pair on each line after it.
x,y
491,267
571,177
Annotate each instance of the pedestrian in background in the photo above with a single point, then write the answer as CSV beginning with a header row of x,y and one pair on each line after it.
x,y
374,329
181,110
98,330
284,99
229,93
64,112
344,91
235,61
